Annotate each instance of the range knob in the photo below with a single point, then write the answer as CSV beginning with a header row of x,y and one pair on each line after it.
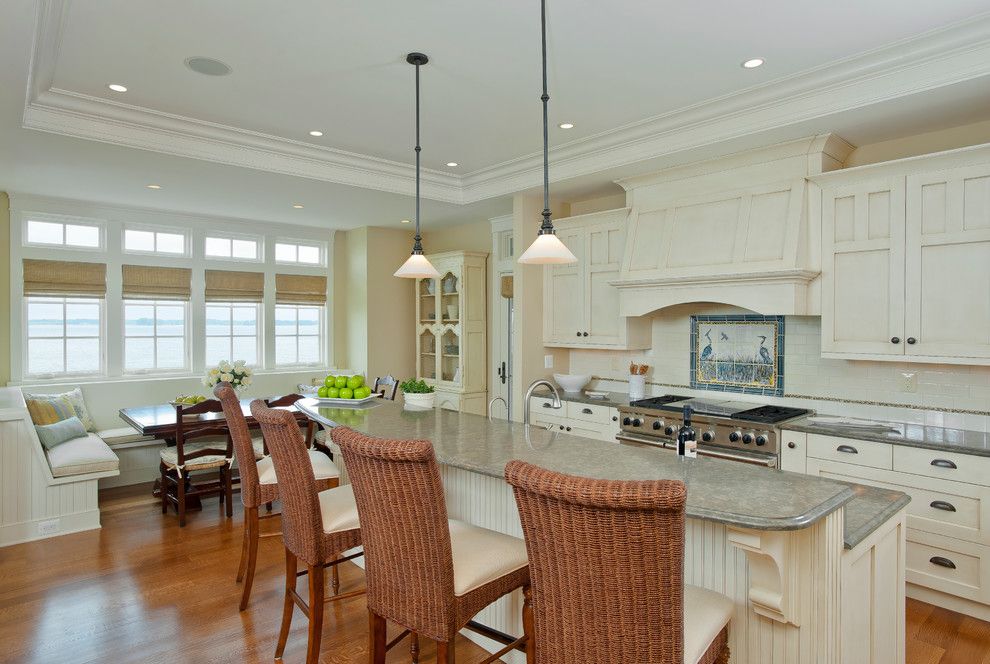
x,y
626,421
637,422
657,425
708,436
669,430
762,440
735,436
747,438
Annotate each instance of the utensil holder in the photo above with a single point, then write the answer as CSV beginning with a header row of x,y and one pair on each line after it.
x,y
637,387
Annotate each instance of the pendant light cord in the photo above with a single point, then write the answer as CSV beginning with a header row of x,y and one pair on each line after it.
x,y
417,243
547,225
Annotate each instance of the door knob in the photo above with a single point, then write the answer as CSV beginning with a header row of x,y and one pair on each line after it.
x,y
895,340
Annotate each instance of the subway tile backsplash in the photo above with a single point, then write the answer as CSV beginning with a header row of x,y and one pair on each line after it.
x,y
946,395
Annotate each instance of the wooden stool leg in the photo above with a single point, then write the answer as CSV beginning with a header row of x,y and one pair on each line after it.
x,y
335,579
414,647
288,605
377,637
180,490
528,625
445,652
316,581
251,525
228,488
246,534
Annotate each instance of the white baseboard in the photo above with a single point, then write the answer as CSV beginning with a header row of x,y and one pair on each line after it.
x,y
27,531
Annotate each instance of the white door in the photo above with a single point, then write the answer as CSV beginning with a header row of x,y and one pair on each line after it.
x,y
564,314
604,245
863,268
501,350
948,263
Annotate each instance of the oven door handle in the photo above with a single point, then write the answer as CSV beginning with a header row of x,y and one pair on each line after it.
x,y
768,461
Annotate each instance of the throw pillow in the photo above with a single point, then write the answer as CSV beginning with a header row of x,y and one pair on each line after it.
x,y
49,411
52,435
75,397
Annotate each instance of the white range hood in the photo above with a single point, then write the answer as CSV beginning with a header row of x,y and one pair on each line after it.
x,y
741,230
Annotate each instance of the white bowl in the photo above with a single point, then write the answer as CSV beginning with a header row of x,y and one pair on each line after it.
x,y
572,382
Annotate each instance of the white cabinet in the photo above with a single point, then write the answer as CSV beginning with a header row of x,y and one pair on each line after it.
x,y
598,421
906,260
580,306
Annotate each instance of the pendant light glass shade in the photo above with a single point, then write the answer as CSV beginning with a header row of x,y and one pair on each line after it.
x,y
417,267
547,249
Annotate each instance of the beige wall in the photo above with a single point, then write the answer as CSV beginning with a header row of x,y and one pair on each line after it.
x,y
600,204
910,146
4,288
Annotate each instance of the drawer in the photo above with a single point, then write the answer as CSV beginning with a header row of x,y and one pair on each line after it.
x,y
449,401
844,450
589,412
545,405
943,465
947,565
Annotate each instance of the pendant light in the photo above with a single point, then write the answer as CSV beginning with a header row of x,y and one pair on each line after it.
x,y
547,249
417,266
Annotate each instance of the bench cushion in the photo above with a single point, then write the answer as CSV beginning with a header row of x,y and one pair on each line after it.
x,y
122,435
80,456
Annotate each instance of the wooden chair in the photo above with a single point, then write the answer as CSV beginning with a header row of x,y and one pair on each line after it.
x,y
284,402
317,526
387,386
259,485
607,565
427,573
187,457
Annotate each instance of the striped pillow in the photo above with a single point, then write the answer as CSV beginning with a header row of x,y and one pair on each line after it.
x,y
49,411
52,435
74,397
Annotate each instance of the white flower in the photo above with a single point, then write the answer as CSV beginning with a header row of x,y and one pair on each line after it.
x,y
225,366
248,371
206,382
246,380
239,363
214,373
226,377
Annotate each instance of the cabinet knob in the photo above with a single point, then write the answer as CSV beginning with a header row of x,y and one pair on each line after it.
x,y
568,428
587,411
912,340
584,334
561,427
579,334
895,340
615,418
791,445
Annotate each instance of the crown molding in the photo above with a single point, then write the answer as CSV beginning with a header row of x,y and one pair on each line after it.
x,y
950,55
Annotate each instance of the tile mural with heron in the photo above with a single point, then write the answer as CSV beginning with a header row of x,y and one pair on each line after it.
x,y
738,353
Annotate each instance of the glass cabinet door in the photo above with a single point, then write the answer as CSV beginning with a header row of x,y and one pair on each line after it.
x,y
450,298
428,301
450,359
428,355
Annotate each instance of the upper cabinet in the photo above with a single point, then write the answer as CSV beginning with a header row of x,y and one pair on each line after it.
x,y
906,260
581,307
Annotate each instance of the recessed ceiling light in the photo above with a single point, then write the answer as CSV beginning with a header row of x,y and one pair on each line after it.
x,y
566,125
404,221
207,66
316,132
117,87
154,186
297,206
753,63
452,163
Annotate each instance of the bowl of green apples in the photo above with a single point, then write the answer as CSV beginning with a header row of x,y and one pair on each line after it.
x,y
344,391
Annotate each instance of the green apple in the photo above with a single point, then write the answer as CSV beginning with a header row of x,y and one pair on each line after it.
x,y
340,381
355,382
346,393
322,393
333,392
362,392
329,381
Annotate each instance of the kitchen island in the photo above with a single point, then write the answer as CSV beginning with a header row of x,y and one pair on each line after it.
x,y
806,590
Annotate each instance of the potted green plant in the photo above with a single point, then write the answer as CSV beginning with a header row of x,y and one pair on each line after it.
x,y
418,393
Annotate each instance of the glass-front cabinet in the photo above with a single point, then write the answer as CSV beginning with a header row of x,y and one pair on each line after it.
x,y
451,341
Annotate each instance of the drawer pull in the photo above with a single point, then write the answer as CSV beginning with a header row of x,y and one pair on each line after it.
x,y
587,411
944,463
942,505
547,404
848,449
561,427
615,418
568,428
942,562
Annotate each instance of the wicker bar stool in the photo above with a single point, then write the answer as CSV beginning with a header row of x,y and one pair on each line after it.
x,y
607,562
259,486
317,526
426,573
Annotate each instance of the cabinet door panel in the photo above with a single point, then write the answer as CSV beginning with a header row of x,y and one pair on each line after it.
x,y
947,290
605,247
863,268
564,293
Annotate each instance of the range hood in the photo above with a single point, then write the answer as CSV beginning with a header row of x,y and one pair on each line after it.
x,y
742,230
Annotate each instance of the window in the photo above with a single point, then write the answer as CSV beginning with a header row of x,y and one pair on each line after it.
x,y
53,232
63,336
155,335
155,242
300,253
298,334
218,246
232,332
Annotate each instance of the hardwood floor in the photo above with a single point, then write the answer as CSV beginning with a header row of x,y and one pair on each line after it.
x,y
143,590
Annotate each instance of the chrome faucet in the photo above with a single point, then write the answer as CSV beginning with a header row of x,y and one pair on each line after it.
x,y
529,393
492,403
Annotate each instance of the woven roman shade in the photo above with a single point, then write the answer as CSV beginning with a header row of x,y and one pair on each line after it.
x,y
231,286
300,289
158,283
64,278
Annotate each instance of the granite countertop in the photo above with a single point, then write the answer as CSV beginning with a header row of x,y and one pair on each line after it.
x,y
613,399
900,433
775,500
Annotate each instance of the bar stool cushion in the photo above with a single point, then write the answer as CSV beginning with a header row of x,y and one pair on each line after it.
x,y
706,613
481,555
323,468
338,509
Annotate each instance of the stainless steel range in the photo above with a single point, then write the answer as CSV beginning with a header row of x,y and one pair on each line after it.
x,y
736,430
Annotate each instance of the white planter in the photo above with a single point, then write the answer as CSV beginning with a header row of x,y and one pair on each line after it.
x,y
420,400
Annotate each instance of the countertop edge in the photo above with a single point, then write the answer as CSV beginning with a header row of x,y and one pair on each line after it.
x,y
838,432
853,539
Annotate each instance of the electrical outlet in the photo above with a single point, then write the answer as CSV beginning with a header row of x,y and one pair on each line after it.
x,y
909,382
49,527
548,361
